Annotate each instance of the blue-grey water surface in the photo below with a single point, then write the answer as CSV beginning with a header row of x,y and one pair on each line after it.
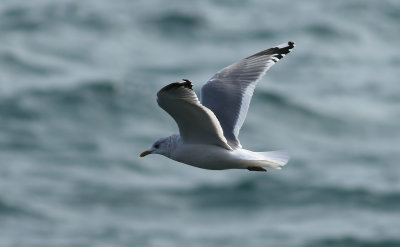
x,y
78,82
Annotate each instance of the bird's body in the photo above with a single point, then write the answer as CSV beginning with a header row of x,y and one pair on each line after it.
x,y
208,130
217,158
209,157
213,157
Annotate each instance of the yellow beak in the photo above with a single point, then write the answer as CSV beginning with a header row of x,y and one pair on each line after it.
x,y
144,153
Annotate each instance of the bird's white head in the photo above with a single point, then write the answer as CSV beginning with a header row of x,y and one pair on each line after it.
x,y
163,146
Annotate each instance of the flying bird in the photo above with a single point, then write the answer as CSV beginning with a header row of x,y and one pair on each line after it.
x,y
209,128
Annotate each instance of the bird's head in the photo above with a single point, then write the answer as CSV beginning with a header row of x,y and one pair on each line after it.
x,y
161,146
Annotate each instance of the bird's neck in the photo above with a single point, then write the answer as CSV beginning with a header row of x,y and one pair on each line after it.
x,y
173,142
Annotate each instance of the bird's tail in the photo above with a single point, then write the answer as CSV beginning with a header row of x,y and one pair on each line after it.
x,y
274,159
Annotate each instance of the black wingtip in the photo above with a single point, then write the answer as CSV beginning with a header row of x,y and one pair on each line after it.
x,y
187,83
284,49
184,83
280,51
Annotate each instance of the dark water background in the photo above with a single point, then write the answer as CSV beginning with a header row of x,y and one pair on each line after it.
x,y
77,105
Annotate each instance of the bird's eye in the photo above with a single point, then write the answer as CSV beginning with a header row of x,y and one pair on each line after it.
x,y
157,145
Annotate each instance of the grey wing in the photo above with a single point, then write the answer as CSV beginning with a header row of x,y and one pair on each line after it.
x,y
228,93
197,124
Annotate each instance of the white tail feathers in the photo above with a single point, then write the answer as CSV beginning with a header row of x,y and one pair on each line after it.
x,y
274,159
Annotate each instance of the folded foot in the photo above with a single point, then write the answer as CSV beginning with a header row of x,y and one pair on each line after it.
x,y
256,168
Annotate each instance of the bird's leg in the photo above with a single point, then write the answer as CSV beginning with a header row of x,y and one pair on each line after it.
x,y
256,168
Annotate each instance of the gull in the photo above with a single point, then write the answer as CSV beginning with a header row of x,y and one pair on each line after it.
x,y
209,128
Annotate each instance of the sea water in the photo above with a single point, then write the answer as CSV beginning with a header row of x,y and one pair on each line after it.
x,y
78,84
